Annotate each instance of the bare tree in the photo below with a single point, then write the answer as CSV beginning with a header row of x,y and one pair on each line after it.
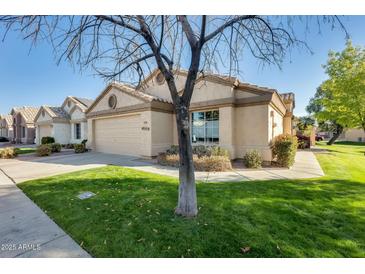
x,y
128,47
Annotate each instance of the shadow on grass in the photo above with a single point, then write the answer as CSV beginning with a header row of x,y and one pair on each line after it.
x,y
350,143
132,216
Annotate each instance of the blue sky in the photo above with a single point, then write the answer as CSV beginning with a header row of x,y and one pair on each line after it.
x,y
33,77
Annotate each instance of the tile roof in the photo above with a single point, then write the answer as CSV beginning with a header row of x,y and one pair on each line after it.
x,y
57,112
9,119
144,96
84,101
29,113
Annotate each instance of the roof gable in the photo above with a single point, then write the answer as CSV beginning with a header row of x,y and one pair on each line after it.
x,y
134,96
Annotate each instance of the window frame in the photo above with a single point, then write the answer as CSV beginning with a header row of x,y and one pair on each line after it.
x,y
205,120
77,131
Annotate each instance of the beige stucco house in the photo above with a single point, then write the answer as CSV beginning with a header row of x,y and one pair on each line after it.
x,y
224,111
6,126
353,135
67,123
23,124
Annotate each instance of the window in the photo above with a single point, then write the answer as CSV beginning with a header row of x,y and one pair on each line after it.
x,y
112,102
23,132
77,131
205,127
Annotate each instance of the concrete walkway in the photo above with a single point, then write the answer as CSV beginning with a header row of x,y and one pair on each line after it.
x,y
305,166
26,231
25,168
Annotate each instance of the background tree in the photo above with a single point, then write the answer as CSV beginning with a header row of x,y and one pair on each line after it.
x,y
127,47
326,121
341,98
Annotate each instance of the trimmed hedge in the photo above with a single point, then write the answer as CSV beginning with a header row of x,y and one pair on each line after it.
x,y
252,159
284,149
8,153
47,140
44,150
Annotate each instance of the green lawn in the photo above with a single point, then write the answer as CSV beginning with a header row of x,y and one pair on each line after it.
x,y
25,150
132,213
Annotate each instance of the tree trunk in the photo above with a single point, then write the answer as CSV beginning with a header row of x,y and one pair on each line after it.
x,y
339,130
187,201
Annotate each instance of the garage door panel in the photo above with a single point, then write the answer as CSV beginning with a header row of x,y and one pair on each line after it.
x,y
118,135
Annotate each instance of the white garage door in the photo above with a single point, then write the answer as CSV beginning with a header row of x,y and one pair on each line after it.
x,y
45,131
119,135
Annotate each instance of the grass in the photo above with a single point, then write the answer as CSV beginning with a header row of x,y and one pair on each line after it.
x,y
132,212
26,150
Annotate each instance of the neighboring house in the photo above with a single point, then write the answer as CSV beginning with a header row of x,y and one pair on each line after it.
x,y
237,116
23,124
353,135
6,126
67,124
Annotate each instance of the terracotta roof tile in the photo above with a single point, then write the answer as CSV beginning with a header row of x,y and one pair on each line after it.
x,y
138,93
29,113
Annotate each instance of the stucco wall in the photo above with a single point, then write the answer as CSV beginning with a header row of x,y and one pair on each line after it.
x,y
45,118
77,114
162,91
354,134
251,131
275,123
61,133
66,107
162,132
123,100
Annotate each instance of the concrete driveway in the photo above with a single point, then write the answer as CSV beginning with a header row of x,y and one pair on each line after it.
x,y
28,167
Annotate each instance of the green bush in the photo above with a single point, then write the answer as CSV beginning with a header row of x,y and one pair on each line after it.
x,y
8,153
44,150
47,140
55,147
252,159
284,149
79,148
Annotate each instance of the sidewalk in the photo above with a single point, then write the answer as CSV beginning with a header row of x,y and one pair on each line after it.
x,y
26,231
305,166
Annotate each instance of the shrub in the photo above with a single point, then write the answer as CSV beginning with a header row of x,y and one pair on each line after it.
x,y
202,150
204,163
79,148
68,146
284,149
8,153
44,150
173,150
212,163
219,151
303,141
252,159
55,147
47,140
